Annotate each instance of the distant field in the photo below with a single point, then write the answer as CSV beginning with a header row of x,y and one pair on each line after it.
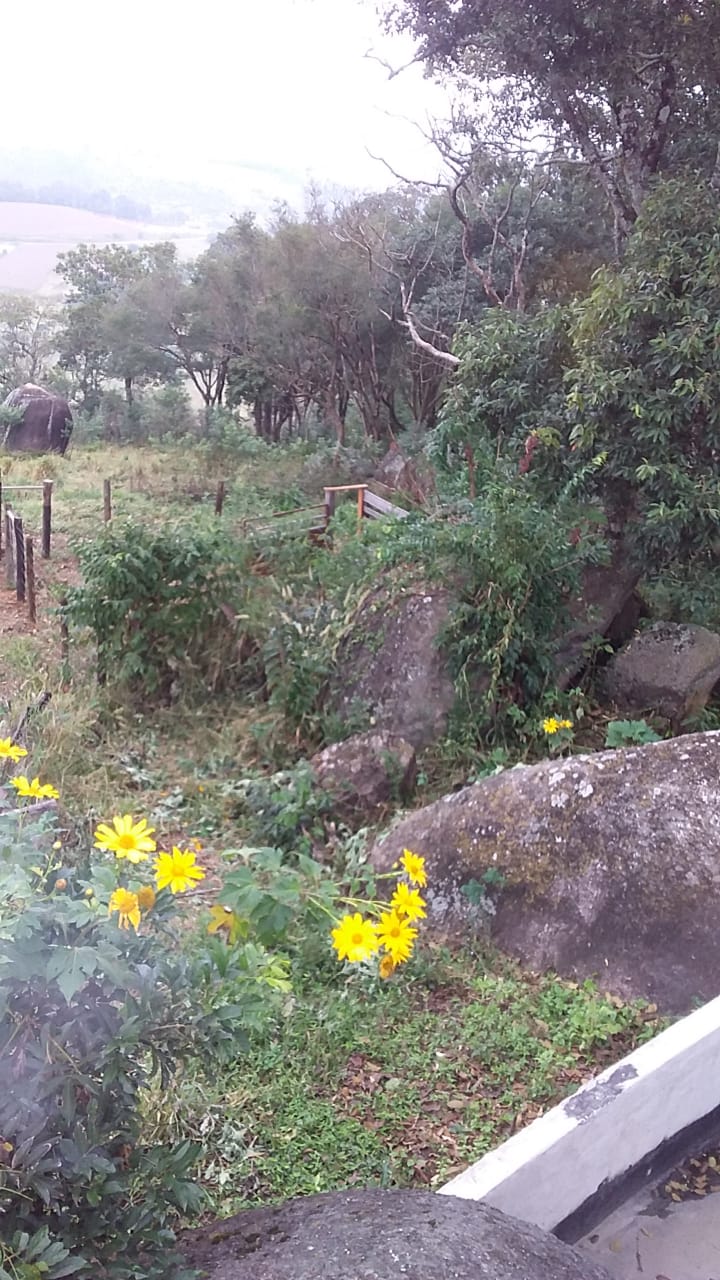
x,y
32,235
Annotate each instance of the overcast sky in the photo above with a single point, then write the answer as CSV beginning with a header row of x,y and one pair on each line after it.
x,y
188,85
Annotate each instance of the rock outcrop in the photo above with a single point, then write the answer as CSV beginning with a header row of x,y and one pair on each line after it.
x,y
381,1235
610,865
670,668
603,607
45,424
366,772
392,670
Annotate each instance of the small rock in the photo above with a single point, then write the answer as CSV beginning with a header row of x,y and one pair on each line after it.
x,y
366,772
671,668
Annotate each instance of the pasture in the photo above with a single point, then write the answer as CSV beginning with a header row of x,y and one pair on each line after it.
x,y
32,236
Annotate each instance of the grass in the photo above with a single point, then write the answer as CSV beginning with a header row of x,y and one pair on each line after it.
x,y
401,1085
398,1086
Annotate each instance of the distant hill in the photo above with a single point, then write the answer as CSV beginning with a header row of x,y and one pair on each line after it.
x,y
32,236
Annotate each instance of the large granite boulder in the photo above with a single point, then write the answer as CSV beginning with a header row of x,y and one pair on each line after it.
x,y
44,422
671,668
366,772
610,865
392,670
381,1235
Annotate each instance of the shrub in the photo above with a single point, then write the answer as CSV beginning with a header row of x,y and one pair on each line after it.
x,y
98,1001
163,605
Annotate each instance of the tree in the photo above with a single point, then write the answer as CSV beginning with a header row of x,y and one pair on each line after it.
x,y
101,338
644,380
28,340
615,85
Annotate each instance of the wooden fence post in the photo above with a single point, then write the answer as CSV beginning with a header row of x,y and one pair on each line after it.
x,y
219,497
9,548
46,518
1,516
107,502
329,506
19,560
30,579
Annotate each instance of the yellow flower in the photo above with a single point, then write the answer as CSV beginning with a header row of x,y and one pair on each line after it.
x,y
396,936
34,789
407,902
551,725
127,906
566,724
9,750
355,939
126,838
387,968
177,870
414,868
146,897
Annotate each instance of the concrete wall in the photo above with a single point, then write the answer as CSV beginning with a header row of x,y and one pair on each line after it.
x,y
551,1168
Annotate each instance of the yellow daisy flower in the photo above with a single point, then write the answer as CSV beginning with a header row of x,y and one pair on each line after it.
x,y
414,868
127,906
551,725
9,750
35,789
386,968
355,939
396,935
146,897
126,838
407,902
177,871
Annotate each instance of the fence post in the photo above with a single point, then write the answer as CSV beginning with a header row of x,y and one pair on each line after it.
x,y
46,518
30,579
219,497
107,502
9,548
1,516
64,644
19,560
329,506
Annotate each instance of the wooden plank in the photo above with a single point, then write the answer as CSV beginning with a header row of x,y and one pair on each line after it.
x,y
343,488
375,507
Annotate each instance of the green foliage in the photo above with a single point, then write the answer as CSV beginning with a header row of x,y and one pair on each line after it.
x,y
91,1015
626,733
163,604
513,565
286,810
511,385
645,386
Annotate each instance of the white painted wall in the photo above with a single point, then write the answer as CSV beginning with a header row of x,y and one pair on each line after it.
x,y
545,1172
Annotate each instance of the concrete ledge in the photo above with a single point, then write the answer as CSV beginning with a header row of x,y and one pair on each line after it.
x,y
549,1170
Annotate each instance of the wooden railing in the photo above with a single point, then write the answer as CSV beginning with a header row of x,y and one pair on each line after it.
x,y
369,506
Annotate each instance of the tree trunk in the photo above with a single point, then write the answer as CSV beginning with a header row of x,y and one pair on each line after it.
x,y
129,397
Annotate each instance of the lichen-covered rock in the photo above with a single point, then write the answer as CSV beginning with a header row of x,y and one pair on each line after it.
x,y
610,864
365,772
392,668
46,423
382,1235
671,668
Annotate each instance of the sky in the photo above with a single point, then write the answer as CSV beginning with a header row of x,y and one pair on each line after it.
x,y
191,88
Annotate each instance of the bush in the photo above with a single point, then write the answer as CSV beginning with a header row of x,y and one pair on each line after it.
x,y
163,603
98,1001
166,413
